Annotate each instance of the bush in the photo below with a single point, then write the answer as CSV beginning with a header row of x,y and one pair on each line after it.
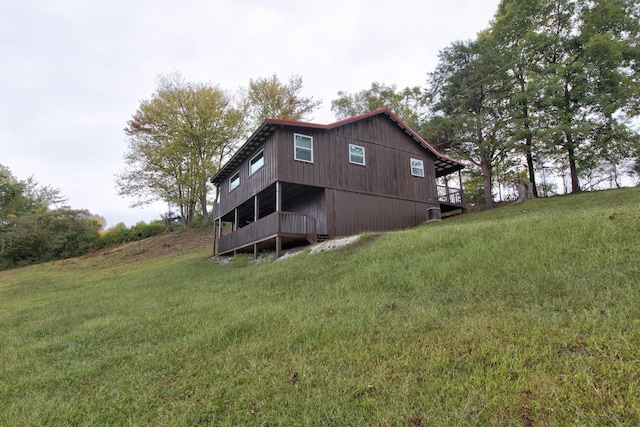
x,y
115,235
119,233
143,230
58,234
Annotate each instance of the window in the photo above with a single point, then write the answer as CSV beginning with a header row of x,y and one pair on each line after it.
x,y
417,167
304,148
256,162
356,154
234,181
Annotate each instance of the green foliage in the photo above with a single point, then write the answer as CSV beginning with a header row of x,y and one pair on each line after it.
x,y
575,68
31,233
58,234
549,79
177,141
26,197
416,327
120,233
268,98
240,260
142,230
115,235
467,93
408,103
473,188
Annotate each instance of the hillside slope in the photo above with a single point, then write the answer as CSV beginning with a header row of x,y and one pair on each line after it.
x,y
525,315
164,245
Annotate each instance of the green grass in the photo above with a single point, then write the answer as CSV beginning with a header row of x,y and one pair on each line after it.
x,y
525,315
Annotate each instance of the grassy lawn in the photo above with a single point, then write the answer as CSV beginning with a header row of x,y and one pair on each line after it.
x,y
525,315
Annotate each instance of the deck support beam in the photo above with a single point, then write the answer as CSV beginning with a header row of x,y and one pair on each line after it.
x,y
236,219
217,226
462,197
278,210
256,217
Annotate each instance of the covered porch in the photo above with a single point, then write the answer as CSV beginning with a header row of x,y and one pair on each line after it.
x,y
450,194
261,223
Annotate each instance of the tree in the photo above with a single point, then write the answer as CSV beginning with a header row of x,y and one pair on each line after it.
x,y
408,103
519,48
19,198
177,141
572,73
32,232
588,69
46,236
269,98
467,94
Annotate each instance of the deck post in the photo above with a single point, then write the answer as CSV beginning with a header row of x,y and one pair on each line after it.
x,y
446,190
278,209
215,235
256,217
462,196
236,219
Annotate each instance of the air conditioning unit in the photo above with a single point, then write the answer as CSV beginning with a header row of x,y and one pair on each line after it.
x,y
433,214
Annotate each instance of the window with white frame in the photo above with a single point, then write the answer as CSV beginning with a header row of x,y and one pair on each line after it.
x,y
256,162
356,154
303,148
417,167
234,181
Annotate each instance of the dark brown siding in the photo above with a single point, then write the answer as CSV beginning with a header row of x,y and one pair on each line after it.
x,y
249,185
311,202
356,212
344,198
387,171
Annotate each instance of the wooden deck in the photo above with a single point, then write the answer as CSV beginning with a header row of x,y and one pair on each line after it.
x,y
289,226
450,199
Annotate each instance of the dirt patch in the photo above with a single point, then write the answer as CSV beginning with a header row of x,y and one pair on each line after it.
x,y
165,244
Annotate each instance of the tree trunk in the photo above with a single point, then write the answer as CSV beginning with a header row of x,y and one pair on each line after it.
x,y
530,165
186,213
528,141
573,169
206,220
521,188
486,184
184,216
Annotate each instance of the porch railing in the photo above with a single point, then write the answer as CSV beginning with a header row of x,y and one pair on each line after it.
x,y
276,224
452,196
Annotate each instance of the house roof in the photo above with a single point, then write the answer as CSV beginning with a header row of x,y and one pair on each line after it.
x,y
444,165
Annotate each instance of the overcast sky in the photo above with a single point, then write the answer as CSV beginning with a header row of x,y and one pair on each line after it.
x,y
75,71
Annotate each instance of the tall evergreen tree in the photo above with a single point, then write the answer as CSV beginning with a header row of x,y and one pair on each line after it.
x,y
467,95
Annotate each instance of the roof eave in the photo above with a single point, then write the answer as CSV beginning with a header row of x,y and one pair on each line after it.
x,y
257,138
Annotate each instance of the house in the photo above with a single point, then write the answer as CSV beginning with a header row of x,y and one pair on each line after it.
x,y
293,182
